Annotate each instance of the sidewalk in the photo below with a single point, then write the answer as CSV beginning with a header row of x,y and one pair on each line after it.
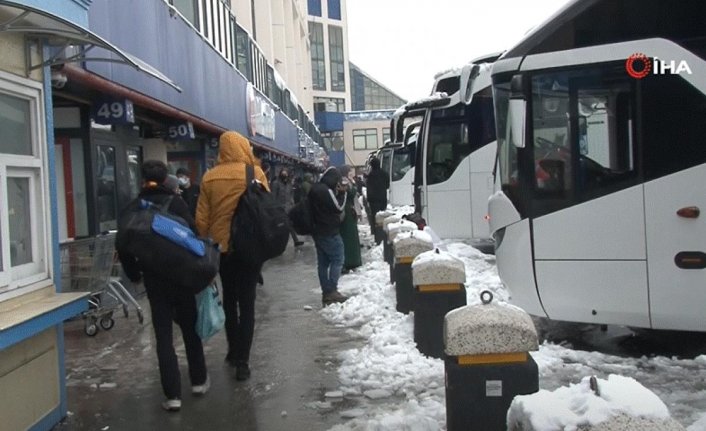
x,y
113,381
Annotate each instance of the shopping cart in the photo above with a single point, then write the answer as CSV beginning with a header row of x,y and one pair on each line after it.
x,y
87,266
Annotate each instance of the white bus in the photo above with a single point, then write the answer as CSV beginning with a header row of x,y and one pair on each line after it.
x,y
455,154
404,128
602,165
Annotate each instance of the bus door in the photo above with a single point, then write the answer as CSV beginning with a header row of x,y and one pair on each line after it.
x,y
587,207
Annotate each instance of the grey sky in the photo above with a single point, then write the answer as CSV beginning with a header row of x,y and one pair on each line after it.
x,y
404,43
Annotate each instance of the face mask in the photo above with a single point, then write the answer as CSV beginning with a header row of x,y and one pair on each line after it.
x,y
184,181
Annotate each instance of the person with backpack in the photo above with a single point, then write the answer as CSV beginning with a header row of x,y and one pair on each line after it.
x,y
327,200
168,302
221,190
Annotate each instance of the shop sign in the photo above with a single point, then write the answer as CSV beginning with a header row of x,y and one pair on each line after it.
x,y
261,114
181,131
113,111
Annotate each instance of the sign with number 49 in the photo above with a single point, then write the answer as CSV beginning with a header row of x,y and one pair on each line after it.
x,y
112,111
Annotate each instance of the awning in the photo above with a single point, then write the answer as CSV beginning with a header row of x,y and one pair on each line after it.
x,y
62,34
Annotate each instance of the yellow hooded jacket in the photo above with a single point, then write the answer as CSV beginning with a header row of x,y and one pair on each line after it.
x,y
222,186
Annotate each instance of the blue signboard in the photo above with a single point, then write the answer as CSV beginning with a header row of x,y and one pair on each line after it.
x,y
113,111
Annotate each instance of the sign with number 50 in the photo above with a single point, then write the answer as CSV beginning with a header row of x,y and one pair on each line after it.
x,y
112,111
181,131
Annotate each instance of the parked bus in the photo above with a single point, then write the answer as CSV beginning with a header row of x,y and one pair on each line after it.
x,y
456,152
602,164
404,129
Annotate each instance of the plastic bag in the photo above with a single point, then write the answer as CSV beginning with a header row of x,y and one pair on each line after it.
x,y
211,317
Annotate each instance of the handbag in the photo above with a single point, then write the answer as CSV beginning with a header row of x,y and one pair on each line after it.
x,y
210,317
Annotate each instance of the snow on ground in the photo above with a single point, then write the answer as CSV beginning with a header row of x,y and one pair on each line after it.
x,y
400,389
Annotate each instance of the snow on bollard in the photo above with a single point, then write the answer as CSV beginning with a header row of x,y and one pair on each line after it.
x,y
377,231
487,363
438,279
406,247
386,245
616,404
394,229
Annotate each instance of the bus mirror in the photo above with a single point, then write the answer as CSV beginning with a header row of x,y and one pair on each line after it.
x,y
518,108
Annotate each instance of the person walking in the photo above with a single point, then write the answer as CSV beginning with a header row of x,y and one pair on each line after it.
x,y
221,189
349,226
189,190
377,183
283,193
168,303
327,200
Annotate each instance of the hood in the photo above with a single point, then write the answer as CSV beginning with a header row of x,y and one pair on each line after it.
x,y
331,177
234,147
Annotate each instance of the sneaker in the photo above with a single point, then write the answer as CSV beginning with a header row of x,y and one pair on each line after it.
x,y
203,388
173,405
242,372
333,297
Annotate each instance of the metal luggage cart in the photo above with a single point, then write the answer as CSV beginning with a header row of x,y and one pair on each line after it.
x,y
87,265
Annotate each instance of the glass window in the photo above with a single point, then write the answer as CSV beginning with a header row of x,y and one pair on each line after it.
x,y
333,140
583,138
402,161
329,104
242,52
20,213
107,193
385,134
334,9
318,57
15,125
335,42
23,251
134,161
315,7
456,132
188,9
365,139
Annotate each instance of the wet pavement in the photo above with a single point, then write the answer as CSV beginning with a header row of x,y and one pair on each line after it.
x,y
113,381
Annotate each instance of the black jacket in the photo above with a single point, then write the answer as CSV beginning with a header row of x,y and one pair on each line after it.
x,y
377,183
157,195
327,203
191,197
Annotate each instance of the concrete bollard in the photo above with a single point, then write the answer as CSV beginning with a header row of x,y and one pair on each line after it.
x,y
438,279
386,246
487,363
406,247
393,230
377,231
615,404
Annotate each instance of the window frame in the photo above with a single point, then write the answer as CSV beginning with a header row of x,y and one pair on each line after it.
x,y
318,62
337,58
366,133
36,274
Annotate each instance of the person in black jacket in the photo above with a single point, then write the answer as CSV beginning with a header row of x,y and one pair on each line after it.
x,y
377,183
168,303
189,190
328,199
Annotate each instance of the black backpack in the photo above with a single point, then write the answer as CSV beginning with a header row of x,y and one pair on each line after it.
x,y
259,229
301,218
162,243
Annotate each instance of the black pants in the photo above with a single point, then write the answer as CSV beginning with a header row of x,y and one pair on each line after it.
x,y
374,208
169,304
239,284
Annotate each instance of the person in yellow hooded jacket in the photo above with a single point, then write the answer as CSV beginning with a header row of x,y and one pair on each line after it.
x,y
221,189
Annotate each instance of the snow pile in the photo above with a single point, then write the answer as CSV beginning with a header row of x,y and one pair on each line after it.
x,y
437,267
567,408
413,243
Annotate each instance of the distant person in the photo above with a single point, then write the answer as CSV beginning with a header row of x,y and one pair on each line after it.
x,y
307,181
221,189
189,190
172,183
283,193
167,302
377,183
328,199
349,226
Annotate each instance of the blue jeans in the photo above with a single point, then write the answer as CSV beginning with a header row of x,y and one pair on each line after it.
x,y
329,256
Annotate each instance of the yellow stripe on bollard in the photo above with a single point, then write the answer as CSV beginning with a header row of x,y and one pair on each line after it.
x,y
405,259
439,287
493,358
